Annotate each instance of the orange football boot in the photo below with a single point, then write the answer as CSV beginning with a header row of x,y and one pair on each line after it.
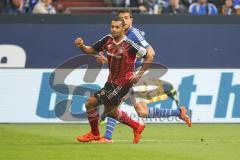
x,y
88,137
184,116
137,133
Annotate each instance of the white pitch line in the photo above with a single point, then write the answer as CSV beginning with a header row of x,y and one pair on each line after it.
x,y
186,140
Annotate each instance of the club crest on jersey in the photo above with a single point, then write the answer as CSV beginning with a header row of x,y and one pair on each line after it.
x,y
121,50
109,46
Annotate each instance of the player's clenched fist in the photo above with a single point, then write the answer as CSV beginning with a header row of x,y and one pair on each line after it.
x,y
79,42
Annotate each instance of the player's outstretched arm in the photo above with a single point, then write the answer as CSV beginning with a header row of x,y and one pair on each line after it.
x,y
86,49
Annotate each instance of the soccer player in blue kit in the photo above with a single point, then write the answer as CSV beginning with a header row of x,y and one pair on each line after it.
x,y
141,108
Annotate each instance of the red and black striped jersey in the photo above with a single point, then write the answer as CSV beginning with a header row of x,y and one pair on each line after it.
x,y
121,58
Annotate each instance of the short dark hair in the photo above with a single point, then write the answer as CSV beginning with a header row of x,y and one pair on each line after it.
x,y
119,19
126,11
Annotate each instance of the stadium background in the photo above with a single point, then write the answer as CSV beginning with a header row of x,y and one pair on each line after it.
x,y
202,56
198,51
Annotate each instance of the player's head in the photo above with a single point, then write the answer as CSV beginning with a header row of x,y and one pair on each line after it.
x,y
229,3
174,3
126,15
202,1
17,3
47,2
117,27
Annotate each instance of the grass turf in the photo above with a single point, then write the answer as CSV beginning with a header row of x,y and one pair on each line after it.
x,y
159,141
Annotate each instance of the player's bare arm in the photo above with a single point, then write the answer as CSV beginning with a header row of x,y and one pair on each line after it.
x,y
146,63
151,51
86,49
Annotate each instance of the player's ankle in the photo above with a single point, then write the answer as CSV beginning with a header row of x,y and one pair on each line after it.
x,y
96,133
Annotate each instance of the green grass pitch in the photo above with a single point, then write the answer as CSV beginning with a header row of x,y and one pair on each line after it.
x,y
159,141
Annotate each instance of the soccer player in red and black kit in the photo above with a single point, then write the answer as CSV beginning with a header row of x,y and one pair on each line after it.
x,y
121,56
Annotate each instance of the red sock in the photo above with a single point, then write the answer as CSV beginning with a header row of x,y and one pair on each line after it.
x,y
124,118
93,120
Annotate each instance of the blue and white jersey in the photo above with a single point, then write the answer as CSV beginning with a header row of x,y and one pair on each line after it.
x,y
197,9
236,4
137,36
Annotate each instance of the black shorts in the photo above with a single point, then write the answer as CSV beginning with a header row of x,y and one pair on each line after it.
x,y
111,94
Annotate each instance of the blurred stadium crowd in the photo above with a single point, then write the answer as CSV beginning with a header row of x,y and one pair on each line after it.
x,y
172,7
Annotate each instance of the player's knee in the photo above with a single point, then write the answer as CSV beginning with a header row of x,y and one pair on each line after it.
x,y
141,109
111,112
91,103
112,115
142,114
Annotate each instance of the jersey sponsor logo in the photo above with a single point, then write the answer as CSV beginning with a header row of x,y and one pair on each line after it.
x,y
113,55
